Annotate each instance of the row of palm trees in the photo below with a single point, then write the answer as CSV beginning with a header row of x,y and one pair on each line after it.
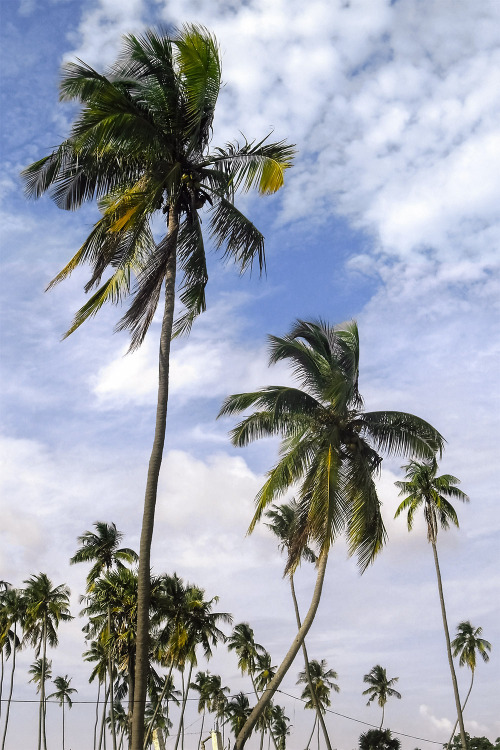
x,y
140,145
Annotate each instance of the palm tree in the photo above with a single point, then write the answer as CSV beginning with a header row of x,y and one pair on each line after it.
x,y
98,653
280,726
13,612
378,739
380,688
63,695
46,607
238,710
330,449
466,644
322,681
203,685
141,145
101,548
284,523
424,489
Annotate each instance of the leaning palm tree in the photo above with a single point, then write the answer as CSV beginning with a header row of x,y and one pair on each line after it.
x,y
380,687
330,450
284,524
13,612
46,607
322,681
102,549
466,644
423,489
63,696
141,146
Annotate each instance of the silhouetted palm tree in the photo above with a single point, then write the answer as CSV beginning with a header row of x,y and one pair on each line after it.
x,y
381,688
63,695
322,680
423,489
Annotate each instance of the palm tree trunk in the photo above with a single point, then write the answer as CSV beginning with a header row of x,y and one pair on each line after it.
x,y
10,689
312,733
201,730
102,734
184,701
131,696
41,712
97,712
382,722
267,722
110,673
158,705
143,576
63,725
463,709
308,674
288,660
448,648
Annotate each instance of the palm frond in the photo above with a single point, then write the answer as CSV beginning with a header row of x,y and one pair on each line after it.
x,y
258,165
402,434
241,240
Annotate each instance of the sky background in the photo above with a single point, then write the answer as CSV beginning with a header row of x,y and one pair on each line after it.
x,y
389,216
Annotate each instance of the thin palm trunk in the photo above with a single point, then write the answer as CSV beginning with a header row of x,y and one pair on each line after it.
x,y
158,706
10,689
143,576
110,674
266,720
201,730
102,733
463,709
184,701
131,697
382,722
312,733
96,713
288,660
63,725
448,648
41,711
308,674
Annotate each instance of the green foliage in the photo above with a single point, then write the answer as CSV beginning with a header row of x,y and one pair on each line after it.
x,y
378,739
473,743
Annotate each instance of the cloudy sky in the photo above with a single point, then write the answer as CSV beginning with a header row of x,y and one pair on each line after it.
x,y
389,216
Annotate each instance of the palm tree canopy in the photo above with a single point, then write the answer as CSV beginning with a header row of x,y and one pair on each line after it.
x,y
44,603
422,488
468,643
284,523
330,445
101,548
381,687
40,669
323,682
378,739
140,145
12,614
64,691
242,642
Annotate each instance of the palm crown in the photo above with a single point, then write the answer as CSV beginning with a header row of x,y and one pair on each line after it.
x,y
140,146
329,444
468,643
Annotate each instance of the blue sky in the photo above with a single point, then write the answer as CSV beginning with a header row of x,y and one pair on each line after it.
x,y
390,216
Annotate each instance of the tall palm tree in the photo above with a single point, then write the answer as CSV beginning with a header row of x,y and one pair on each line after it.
x,y
284,525
203,686
423,489
101,548
98,653
46,607
63,696
12,615
380,687
280,726
330,448
466,644
141,146
322,681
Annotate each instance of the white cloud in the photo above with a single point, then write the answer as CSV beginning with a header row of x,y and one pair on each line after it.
x,y
444,724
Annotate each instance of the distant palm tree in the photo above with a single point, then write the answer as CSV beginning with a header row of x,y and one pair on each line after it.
x,y
322,680
98,653
63,695
280,726
101,548
330,448
12,616
378,739
466,645
41,671
238,709
46,607
423,489
380,688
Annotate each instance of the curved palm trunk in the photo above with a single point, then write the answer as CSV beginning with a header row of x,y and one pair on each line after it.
x,y
184,701
10,690
143,576
463,709
312,733
110,673
97,712
382,722
448,648
201,730
288,660
308,674
158,705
